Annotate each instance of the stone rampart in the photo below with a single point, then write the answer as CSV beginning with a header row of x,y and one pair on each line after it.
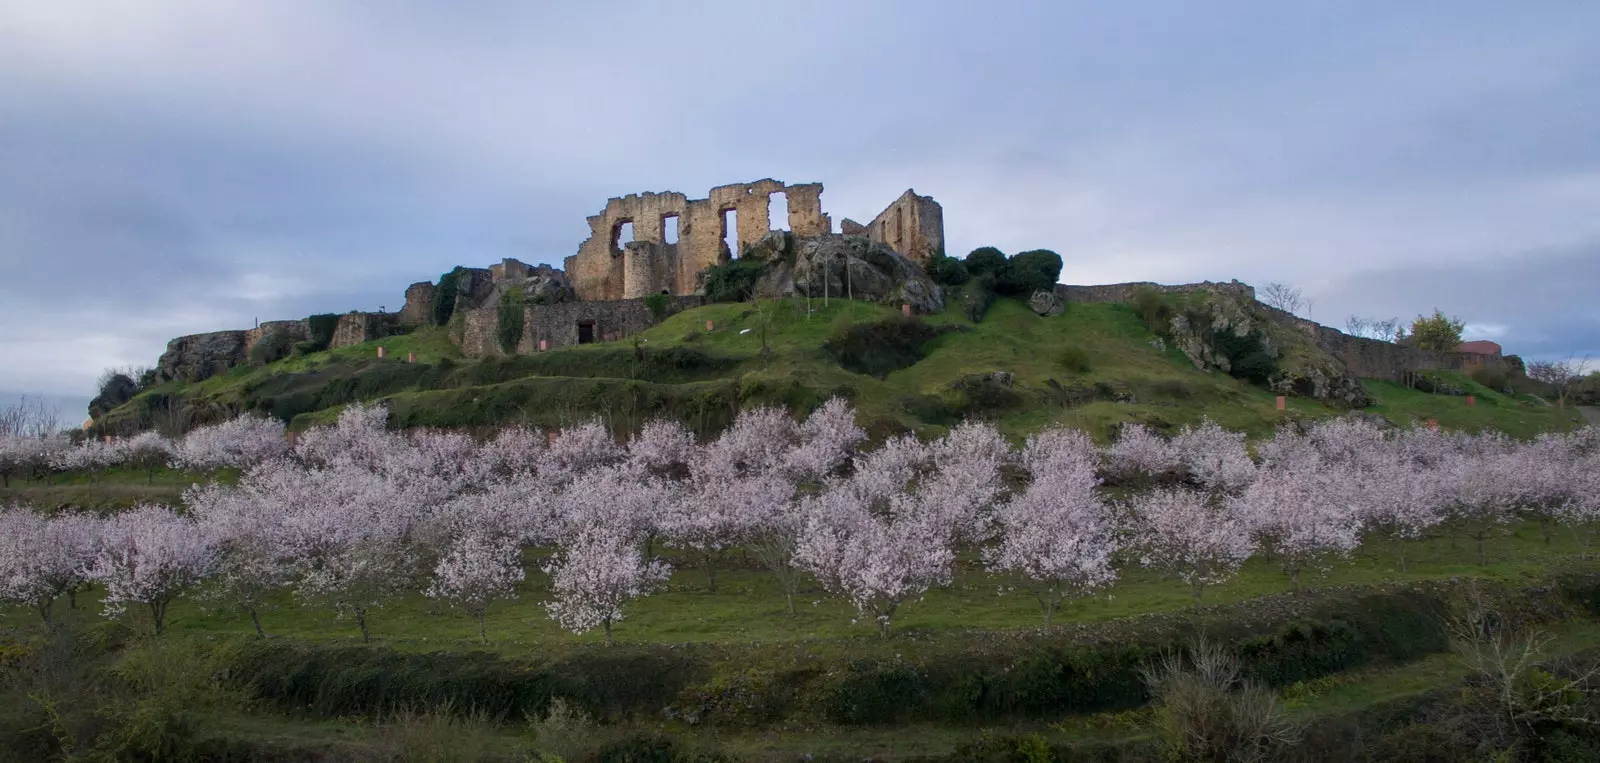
x,y
563,324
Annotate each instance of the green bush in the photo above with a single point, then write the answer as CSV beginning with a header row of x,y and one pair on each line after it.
x,y
880,347
986,260
734,280
321,328
508,328
1155,309
1076,360
1028,272
273,347
976,297
302,349
1247,355
658,304
948,271
444,298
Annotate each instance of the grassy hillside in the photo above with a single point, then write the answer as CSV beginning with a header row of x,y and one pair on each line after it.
x,y
1092,367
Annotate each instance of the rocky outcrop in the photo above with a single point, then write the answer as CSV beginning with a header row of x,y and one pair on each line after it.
x,y
840,265
419,304
200,356
1046,304
355,328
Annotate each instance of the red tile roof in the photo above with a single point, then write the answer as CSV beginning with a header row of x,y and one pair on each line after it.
x,y
1480,347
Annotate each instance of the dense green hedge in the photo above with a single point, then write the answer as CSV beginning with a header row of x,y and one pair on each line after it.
x,y
734,280
444,297
509,320
321,327
880,347
972,681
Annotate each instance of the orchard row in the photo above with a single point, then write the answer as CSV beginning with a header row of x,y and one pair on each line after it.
x,y
354,514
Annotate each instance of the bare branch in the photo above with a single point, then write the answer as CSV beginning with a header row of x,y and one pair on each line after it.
x,y
1284,297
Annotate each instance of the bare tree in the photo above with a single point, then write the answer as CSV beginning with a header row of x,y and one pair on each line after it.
x,y
1517,689
1284,297
1562,375
30,417
1356,325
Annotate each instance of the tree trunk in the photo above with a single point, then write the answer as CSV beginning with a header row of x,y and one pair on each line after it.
x,y
609,640
158,613
711,573
1479,539
361,622
1199,590
1402,556
788,600
883,627
44,613
483,635
1049,609
72,597
1546,524
1295,573
255,620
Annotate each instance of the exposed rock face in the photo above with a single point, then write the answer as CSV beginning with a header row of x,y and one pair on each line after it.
x,y
355,328
1047,304
200,356
545,285
839,265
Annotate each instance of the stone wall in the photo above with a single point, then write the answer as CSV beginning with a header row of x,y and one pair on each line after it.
x,y
1123,292
298,331
355,328
913,226
419,303
558,324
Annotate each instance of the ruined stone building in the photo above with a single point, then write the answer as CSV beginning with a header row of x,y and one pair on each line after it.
x,y
651,243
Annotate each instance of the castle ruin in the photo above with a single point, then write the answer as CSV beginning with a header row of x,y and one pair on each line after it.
x,y
650,243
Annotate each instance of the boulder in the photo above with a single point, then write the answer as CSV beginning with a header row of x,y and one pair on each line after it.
x,y
200,356
838,265
545,285
1047,304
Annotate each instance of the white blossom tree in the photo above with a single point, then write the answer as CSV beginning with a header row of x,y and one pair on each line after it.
x,y
149,556
246,528
240,442
1300,515
594,574
1187,536
43,558
1058,533
478,569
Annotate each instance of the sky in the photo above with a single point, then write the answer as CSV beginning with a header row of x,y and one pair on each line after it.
x,y
172,167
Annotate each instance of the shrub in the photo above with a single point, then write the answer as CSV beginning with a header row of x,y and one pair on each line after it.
x,y
444,298
1076,360
321,328
977,296
302,349
1028,272
1154,308
948,271
658,304
734,280
1436,332
1247,355
273,347
1496,379
986,260
878,348
508,327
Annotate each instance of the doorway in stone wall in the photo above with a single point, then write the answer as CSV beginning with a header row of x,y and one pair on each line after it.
x,y
585,332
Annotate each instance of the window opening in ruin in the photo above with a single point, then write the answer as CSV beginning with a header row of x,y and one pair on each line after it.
x,y
899,228
669,229
778,211
585,332
730,231
621,235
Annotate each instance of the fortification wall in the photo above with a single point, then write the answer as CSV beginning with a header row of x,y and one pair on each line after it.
x,y
419,303
912,225
564,324
355,328
298,331
1123,292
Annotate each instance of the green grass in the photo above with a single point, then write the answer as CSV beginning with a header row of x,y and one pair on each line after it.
x,y
1127,379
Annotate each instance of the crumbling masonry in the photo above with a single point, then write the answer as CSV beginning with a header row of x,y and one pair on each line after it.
x,y
607,267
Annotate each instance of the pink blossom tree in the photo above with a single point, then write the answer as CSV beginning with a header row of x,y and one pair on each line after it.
x,y
42,558
149,556
1188,537
148,451
478,569
1214,457
240,442
594,574
1300,514
1058,533
247,533
1139,454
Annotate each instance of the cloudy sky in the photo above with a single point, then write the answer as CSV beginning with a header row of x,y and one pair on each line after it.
x,y
172,167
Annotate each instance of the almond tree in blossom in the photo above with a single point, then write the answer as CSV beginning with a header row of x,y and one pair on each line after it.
x,y
240,442
478,569
579,449
1058,533
148,451
42,558
91,456
359,437
594,574
1299,513
246,528
1190,538
1214,457
149,556
1139,454
1486,480
771,504
513,452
